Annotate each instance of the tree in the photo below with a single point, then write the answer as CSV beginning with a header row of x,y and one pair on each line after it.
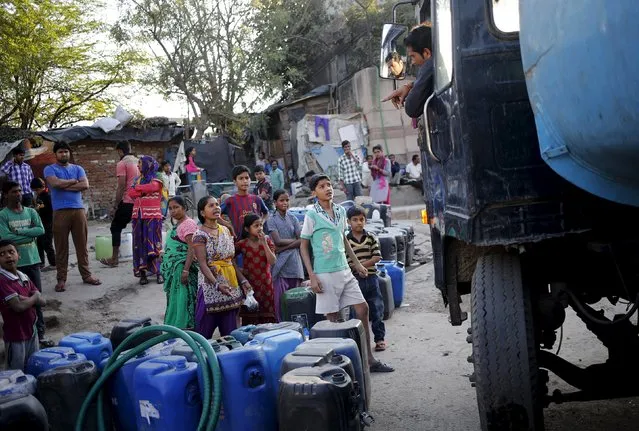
x,y
204,51
56,67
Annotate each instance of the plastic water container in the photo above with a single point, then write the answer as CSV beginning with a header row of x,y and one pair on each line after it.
x,y
268,327
401,239
397,274
410,245
387,246
52,357
344,337
91,344
296,186
15,384
62,391
386,288
122,387
126,327
248,402
229,342
324,403
243,334
306,355
276,345
166,394
298,305
378,212
23,414
299,213
180,348
104,247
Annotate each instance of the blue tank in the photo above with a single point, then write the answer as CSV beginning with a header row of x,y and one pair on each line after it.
x,y
244,333
91,344
15,384
347,347
167,394
52,357
180,348
581,67
397,274
247,396
299,213
122,388
276,345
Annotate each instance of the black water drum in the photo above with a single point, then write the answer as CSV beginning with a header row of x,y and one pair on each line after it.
x,y
387,246
318,399
410,245
24,413
354,330
182,349
401,239
298,305
386,288
306,355
62,391
126,327
383,210
267,327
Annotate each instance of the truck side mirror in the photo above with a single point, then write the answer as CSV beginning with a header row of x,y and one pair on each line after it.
x,y
392,63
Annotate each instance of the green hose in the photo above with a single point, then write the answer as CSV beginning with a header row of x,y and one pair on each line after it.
x,y
210,373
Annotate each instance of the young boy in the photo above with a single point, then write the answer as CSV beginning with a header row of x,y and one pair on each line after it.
x,y
330,275
366,248
45,211
18,298
171,180
242,203
263,187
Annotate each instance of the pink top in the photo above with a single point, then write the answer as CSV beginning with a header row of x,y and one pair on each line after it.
x,y
128,168
191,167
186,228
147,200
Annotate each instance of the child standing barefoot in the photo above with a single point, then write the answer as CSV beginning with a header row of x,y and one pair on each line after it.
x,y
258,255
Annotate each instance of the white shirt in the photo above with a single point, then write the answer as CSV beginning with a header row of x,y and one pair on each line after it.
x,y
414,171
171,182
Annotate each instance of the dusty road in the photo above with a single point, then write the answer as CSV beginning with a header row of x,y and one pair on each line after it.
x,y
430,389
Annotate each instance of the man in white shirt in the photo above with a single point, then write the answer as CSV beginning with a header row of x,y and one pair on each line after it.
x,y
414,173
171,180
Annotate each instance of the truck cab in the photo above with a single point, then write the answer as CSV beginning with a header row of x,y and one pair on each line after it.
x,y
525,211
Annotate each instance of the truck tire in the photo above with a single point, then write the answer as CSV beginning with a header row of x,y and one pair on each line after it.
x,y
504,350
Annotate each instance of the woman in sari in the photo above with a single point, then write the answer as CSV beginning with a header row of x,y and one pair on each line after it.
x,y
381,172
146,193
221,286
178,270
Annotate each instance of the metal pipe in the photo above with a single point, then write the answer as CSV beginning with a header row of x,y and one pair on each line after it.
x,y
399,3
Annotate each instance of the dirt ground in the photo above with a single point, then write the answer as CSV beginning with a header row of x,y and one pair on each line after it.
x,y
430,389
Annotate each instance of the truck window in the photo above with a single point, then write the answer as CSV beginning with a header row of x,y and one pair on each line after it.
x,y
505,15
443,45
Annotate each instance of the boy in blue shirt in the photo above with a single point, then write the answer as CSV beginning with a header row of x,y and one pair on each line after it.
x,y
330,275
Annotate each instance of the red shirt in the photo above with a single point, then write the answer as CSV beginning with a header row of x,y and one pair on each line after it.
x,y
127,168
147,200
17,326
238,206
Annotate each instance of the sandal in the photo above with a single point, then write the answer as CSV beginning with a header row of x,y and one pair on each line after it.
x,y
380,367
45,342
380,346
60,286
92,281
160,279
144,280
108,262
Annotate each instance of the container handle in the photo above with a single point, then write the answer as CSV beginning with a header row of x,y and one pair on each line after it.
x,y
429,148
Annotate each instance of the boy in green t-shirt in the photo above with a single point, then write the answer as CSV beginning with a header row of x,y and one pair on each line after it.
x,y
331,277
23,226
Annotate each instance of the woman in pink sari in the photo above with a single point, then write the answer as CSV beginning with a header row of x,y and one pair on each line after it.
x,y
381,172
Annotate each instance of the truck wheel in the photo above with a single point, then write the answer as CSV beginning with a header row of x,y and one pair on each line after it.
x,y
504,351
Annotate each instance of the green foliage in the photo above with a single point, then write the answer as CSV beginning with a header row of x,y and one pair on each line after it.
x,y
55,69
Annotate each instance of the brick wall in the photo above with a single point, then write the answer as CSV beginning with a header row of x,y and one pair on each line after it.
x,y
98,158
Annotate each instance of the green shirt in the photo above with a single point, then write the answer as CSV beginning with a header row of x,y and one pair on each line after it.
x,y
327,238
23,229
277,179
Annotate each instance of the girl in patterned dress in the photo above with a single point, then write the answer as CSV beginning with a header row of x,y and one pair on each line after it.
x,y
258,255
221,286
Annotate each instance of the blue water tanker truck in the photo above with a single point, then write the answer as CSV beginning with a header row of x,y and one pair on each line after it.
x,y
529,144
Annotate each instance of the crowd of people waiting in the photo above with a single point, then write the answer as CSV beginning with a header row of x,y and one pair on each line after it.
x,y
243,244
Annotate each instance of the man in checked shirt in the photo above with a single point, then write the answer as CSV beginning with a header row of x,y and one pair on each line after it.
x,y
18,171
348,172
